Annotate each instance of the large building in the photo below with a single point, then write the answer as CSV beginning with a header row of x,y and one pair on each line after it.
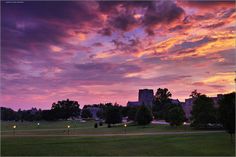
x,y
145,96
187,107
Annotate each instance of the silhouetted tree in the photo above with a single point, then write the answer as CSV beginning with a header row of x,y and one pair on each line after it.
x,y
132,113
113,115
227,112
31,115
48,115
100,114
65,109
143,115
20,115
27,116
124,111
38,115
161,100
203,112
7,114
195,94
175,115
86,113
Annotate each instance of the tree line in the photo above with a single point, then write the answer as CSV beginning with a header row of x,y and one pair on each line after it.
x,y
203,115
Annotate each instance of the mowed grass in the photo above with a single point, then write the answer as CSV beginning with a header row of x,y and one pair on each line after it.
x,y
215,144
7,125
76,128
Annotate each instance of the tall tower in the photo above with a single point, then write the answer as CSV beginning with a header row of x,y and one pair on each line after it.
x,y
146,96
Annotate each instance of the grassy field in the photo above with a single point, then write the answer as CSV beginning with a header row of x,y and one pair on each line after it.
x,y
197,144
76,128
210,144
7,125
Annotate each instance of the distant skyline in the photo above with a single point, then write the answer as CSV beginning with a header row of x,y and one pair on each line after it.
x,y
97,51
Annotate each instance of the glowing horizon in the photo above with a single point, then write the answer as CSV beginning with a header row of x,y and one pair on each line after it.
x,y
97,51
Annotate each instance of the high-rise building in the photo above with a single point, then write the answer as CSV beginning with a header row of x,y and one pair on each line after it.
x,y
146,97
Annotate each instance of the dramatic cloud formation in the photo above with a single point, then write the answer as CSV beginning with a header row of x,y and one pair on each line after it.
x,y
104,51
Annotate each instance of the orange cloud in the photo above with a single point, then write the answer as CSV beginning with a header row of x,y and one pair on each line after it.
x,y
221,78
55,48
104,55
160,47
76,37
224,40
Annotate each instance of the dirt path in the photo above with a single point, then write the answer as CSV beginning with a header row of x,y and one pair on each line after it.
x,y
118,134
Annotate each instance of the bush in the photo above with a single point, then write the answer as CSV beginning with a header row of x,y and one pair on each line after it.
x,y
100,123
109,125
95,125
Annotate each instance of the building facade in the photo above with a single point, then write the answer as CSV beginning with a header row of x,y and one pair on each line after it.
x,y
146,97
187,107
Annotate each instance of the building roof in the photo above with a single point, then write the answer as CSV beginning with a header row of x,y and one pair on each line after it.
x,y
175,101
133,104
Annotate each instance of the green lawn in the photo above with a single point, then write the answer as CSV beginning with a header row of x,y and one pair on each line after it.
x,y
215,144
60,128
189,144
7,125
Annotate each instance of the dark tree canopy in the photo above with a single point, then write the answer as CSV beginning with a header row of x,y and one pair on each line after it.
x,y
48,115
195,94
132,113
100,114
124,111
175,115
162,95
66,109
28,115
7,114
161,100
113,115
143,115
86,113
105,108
203,112
227,112
22,115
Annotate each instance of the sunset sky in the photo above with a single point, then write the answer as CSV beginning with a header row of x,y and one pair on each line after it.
x,y
98,51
